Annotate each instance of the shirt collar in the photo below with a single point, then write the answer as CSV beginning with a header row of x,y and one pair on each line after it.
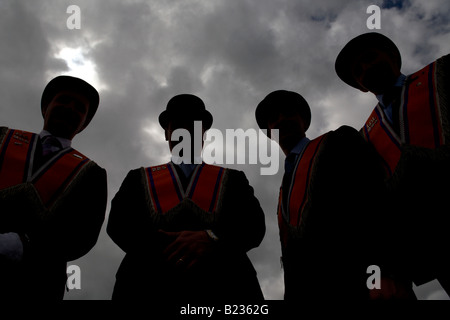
x,y
179,160
187,168
65,143
291,158
398,83
300,146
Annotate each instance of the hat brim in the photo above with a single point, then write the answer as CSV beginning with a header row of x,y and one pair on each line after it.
x,y
347,56
62,83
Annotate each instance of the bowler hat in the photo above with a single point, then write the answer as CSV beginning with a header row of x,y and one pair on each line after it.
x,y
68,83
188,107
354,47
272,103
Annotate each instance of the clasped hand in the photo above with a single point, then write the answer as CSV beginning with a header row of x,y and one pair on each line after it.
x,y
186,249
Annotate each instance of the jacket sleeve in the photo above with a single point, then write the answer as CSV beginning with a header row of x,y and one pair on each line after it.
x,y
242,222
129,224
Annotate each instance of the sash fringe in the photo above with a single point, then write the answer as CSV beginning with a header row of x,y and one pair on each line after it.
x,y
186,215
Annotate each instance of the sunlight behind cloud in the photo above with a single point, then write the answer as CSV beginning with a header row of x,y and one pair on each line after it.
x,y
156,149
79,66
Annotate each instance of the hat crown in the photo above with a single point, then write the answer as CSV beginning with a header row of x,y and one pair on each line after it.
x,y
188,107
285,98
188,103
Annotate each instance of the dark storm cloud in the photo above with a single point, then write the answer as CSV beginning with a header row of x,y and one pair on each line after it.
x,y
23,61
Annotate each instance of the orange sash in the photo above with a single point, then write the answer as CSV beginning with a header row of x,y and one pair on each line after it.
x,y
15,157
16,162
298,191
380,134
420,112
419,120
166,190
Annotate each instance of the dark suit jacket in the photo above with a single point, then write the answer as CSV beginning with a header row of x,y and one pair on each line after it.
x,y
419,190
63,232
227,274
339,236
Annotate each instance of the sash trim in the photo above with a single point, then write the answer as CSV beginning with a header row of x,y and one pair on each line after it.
x,y
166,191
48,182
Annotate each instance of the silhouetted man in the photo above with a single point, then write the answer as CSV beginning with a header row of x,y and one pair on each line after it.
x,y
328,205
410,129
52,197
186,226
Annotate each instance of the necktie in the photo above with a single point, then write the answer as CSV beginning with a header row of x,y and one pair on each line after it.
x,y
44,149
391,95
289,165
50,145
182,176
392,98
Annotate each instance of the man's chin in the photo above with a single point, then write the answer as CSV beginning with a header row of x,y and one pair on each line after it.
x,y
289,142
378,82
62,130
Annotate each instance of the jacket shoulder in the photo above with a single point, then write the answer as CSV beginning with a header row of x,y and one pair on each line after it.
x,y
95,167
92,165
444,59
344,142
136,176
346,131
342,135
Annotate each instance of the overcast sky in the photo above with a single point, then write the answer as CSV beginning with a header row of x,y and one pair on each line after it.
x,y
231,53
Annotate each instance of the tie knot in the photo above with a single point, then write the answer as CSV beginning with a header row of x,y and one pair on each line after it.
x,y
50,144
392,94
